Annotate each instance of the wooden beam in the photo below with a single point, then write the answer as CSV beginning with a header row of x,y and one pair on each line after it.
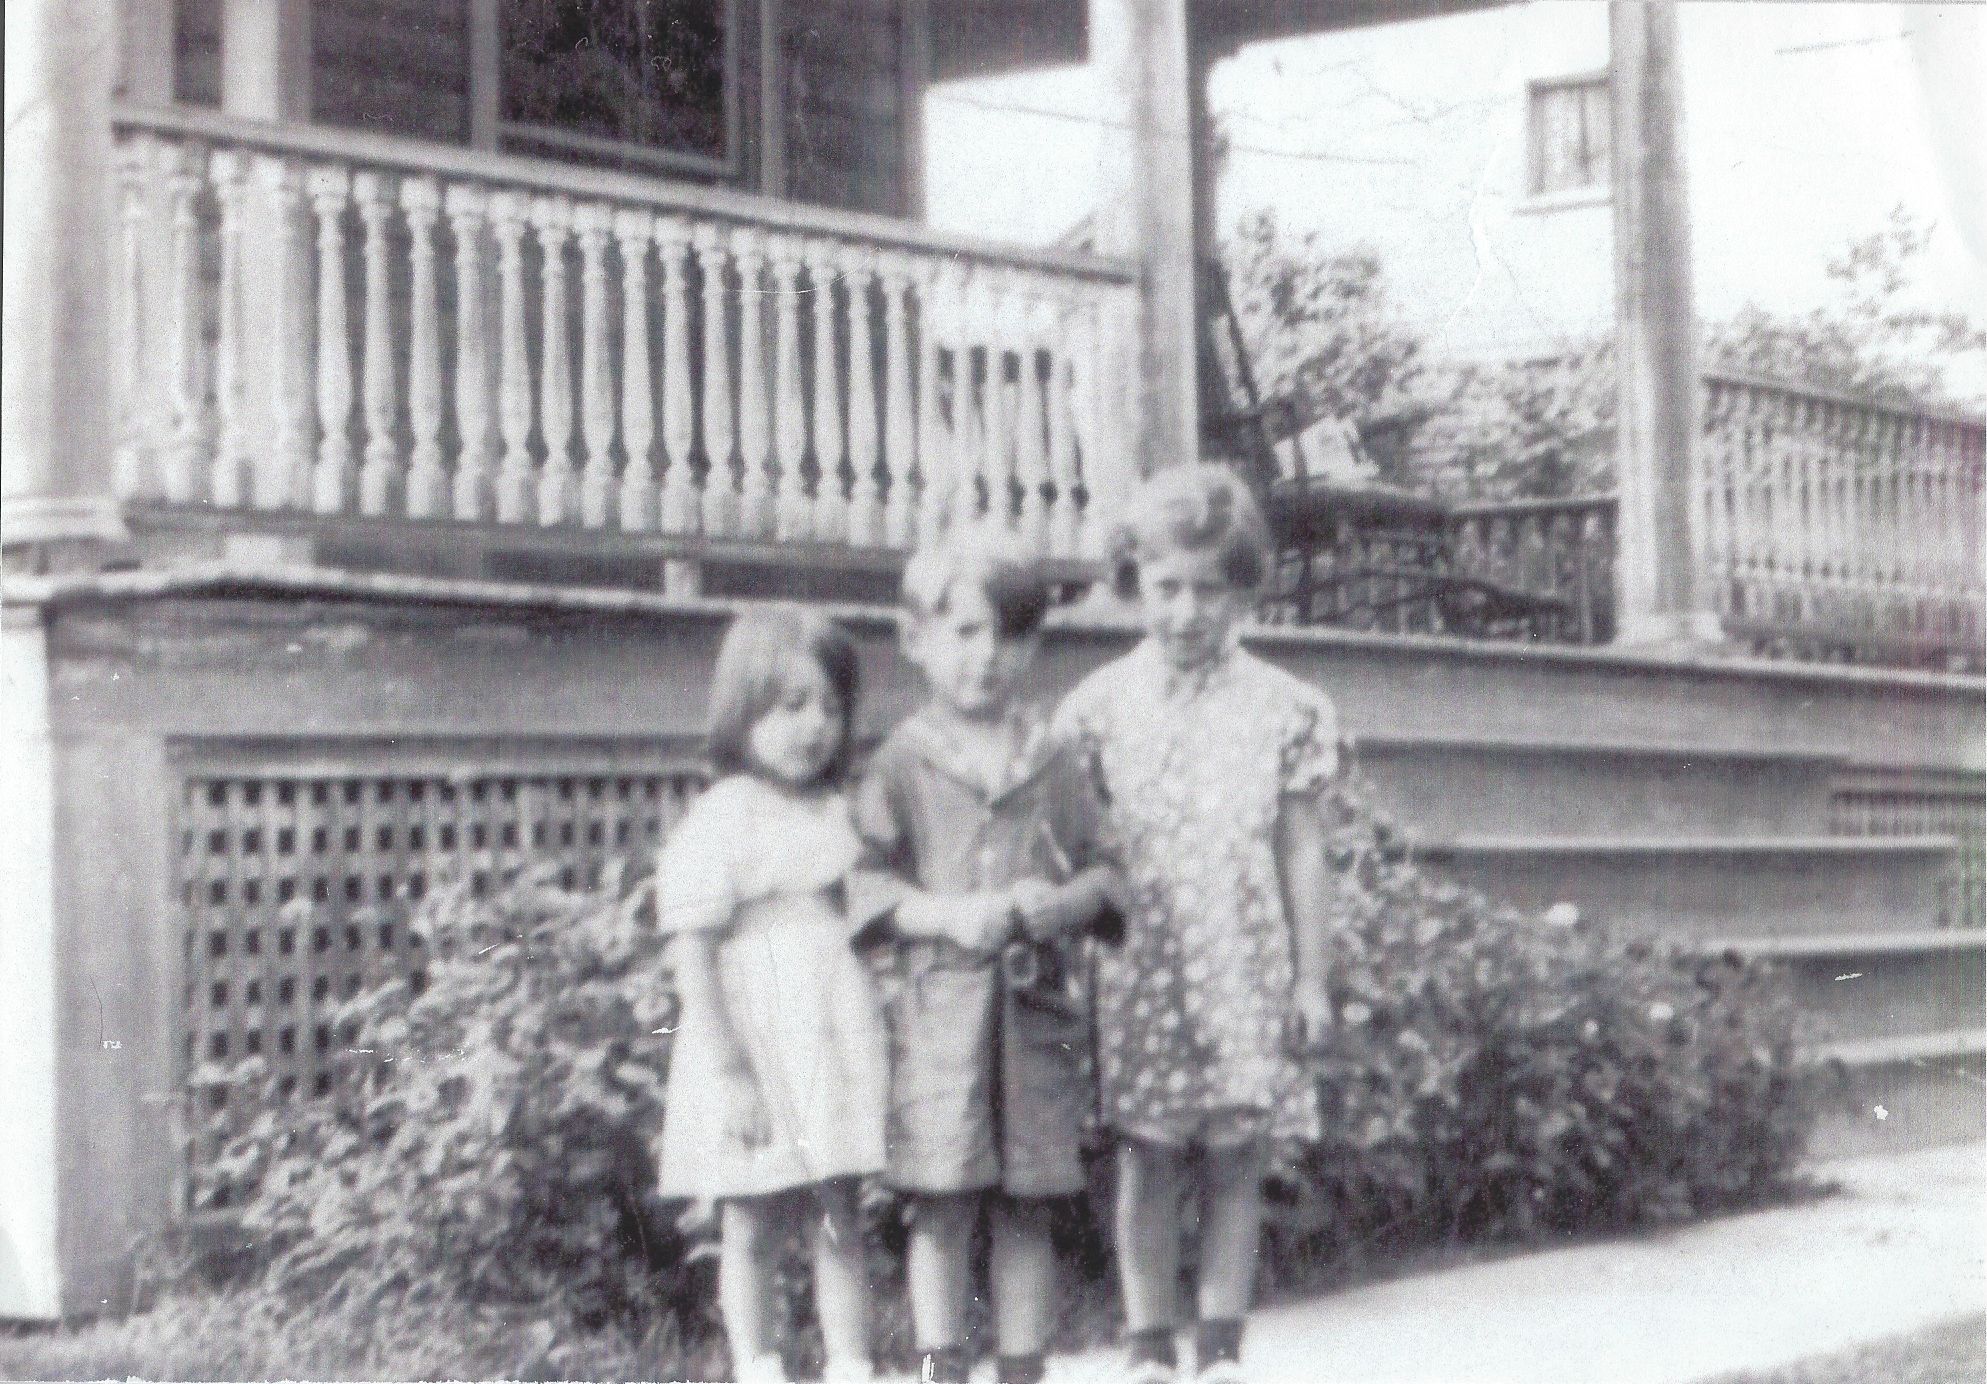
x,y
1145,214
1657,572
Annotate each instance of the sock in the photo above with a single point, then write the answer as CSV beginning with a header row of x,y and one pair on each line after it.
x,y
1217,1341
1020,1369
1154,1343
943,1365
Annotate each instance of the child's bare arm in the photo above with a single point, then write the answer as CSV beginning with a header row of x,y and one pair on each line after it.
x,y
703,996
1309,895
1052,910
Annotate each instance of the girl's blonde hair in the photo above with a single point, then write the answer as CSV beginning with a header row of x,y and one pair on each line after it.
x,y
985,556
751,676
1194,508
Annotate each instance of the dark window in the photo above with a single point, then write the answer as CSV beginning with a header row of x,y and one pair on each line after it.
x,y
645,81
1568,133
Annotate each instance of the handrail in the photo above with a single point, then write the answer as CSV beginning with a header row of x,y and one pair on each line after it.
x,y
553,176
1903,409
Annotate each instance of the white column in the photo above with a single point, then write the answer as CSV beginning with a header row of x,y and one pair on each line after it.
x,y
331,483
379,477
552,218
792,518
228,486
865,503
514,498
755,434
899,416
719,500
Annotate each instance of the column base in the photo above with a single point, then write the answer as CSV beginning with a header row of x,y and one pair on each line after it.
x,y
64,534
1683,631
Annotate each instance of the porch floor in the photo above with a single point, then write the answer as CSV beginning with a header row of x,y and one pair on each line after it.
x,y
1902,1245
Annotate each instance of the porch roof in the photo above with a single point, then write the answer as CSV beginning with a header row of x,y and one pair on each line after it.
x,y
980,38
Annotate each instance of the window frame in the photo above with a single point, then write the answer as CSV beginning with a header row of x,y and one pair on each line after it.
x,y
1537,91
490,129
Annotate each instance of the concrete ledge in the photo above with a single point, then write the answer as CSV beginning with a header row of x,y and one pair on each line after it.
x,y
1924,941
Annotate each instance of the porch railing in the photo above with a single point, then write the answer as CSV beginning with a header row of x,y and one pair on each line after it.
x,y
340,324
1840,528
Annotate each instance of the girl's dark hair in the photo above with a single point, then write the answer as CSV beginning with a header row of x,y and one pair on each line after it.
x,y
749,679
1191,508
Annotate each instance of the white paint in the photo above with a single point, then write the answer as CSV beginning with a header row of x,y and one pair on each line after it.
x,y
30,1283
1805,124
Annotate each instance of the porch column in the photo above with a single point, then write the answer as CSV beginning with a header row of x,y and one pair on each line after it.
x,y
266,59
1658,578
1145,214
57,302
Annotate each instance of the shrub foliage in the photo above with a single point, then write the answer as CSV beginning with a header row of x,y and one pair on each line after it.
x,y
1494,1077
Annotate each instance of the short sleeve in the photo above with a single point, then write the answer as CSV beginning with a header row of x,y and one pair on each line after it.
x,y
1307,756
696,881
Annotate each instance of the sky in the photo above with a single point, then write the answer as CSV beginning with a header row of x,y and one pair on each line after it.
x,y
1806,123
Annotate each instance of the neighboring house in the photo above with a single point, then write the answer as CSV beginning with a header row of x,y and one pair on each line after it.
x,y
401,394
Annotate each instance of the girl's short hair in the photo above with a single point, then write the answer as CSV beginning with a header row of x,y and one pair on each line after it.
x,y
750,678
1193,508
992,559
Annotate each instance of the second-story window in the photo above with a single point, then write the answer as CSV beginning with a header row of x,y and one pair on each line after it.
x,y
1567,126
645,82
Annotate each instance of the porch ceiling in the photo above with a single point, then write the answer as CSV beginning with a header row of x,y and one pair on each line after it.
x,y
979,38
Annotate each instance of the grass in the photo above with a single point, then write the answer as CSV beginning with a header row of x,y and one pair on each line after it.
x,y
1953,1352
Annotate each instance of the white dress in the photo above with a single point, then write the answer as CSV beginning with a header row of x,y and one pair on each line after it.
x,y
765,868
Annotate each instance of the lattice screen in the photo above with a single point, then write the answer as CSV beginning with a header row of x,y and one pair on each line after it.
x,y
1925,805
296,883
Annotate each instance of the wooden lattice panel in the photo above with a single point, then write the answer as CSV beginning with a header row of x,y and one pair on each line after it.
x,y
1952,805
296,883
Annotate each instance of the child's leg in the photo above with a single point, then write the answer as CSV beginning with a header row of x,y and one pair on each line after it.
x,y
1024,1284
750,1231
1230,1236
938,1270
841,1280
1150,1180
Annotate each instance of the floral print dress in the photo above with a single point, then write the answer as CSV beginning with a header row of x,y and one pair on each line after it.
x,y
1193,767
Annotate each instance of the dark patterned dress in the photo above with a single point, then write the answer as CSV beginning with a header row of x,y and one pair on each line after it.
x,y
1193,769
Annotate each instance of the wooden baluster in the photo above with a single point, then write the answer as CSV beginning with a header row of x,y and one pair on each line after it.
x,y
899,415
831,506
228,485
427,483
1089,468
1031,460
592,222
791,513
967,320
379,477
472,492
331,483
509,213
193,431
552,219
996,409
935,482
633,230
1065,519
720,504
865,498
755,430
678,505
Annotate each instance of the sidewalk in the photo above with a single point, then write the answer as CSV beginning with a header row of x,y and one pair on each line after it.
x,y
1902,1246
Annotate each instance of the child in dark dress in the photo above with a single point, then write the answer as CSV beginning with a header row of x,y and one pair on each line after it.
x,y
981,831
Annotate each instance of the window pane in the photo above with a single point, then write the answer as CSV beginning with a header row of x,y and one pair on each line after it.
x,y
647,72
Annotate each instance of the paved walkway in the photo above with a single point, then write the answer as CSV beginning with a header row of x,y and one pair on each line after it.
x,y
1904,1245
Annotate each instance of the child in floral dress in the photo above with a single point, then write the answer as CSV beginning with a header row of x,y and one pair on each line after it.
x,y
1210,763
777,1080
979,830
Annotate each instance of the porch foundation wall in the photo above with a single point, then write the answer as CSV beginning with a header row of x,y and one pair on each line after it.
x,y
117,685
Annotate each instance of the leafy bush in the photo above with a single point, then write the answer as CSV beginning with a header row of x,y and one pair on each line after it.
x,y
477,1197
486,1153
1497,1076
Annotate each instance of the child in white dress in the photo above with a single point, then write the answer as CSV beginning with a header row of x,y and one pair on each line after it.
x,y
777,1081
